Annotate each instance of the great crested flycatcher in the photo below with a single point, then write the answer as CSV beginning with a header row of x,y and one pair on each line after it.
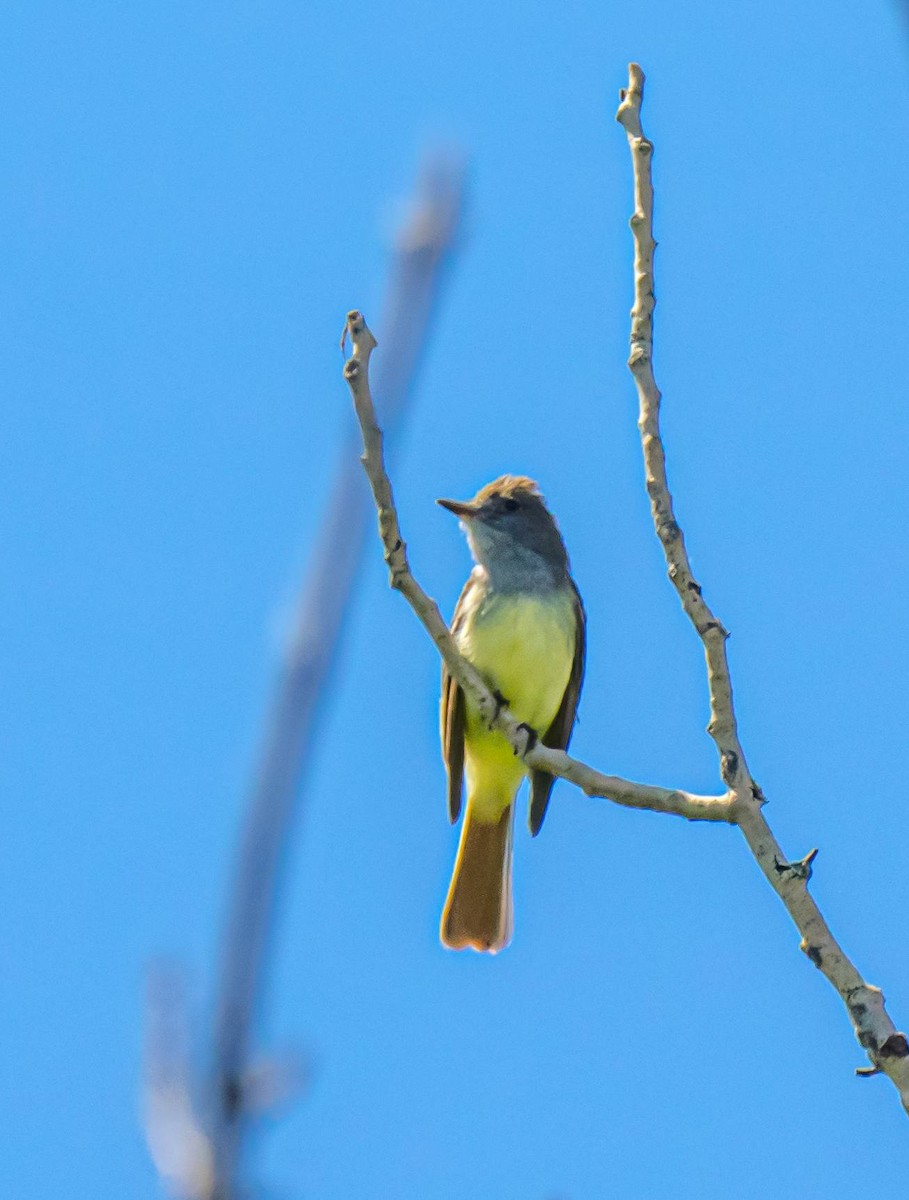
x,y
520,621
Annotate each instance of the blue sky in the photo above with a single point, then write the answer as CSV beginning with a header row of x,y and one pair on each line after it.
x,y
193,197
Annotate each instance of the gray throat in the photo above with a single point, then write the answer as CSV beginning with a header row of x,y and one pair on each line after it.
x,y
513,568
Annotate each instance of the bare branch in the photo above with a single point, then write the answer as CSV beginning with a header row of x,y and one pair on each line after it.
x,y
741,804
533,752
722,727
886,1047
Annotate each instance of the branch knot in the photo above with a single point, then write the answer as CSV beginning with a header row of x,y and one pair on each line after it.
x,y
896,1046
797,870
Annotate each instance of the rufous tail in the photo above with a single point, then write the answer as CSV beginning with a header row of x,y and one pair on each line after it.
x,y
478,911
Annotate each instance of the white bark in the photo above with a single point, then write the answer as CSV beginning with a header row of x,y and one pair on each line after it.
x,y
887,1048
742,800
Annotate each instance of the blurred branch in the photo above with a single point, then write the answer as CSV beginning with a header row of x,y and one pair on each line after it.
x,y
887,1048
423,249
494,713
177,1144
424,245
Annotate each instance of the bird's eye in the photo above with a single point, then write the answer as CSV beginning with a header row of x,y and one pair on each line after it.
x,y
511,505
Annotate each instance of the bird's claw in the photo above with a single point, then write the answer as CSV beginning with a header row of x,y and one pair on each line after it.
x,y
501,703
531,736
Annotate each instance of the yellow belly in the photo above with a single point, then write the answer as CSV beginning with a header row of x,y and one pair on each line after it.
x,y
524,648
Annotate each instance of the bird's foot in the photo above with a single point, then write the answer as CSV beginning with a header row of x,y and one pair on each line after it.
x,y
531,738
501,703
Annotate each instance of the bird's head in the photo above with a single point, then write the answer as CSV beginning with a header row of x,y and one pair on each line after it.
x,y
510,529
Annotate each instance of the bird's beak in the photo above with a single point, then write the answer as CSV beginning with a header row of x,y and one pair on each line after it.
x,y
465,509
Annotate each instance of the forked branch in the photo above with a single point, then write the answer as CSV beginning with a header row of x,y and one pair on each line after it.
x,y
534,753
741,802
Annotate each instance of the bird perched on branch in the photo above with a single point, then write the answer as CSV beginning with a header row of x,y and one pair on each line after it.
x,y
520,621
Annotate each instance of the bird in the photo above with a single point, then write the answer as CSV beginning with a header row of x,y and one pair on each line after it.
x,y
521,622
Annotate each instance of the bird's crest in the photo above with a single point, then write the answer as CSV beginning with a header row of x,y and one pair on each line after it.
x,y
508,485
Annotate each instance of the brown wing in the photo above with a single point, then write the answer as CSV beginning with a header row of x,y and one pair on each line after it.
x,y
558,735
453,715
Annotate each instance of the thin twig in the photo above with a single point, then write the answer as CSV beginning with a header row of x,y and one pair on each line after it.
x,y
534,753
886,1047
722,727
